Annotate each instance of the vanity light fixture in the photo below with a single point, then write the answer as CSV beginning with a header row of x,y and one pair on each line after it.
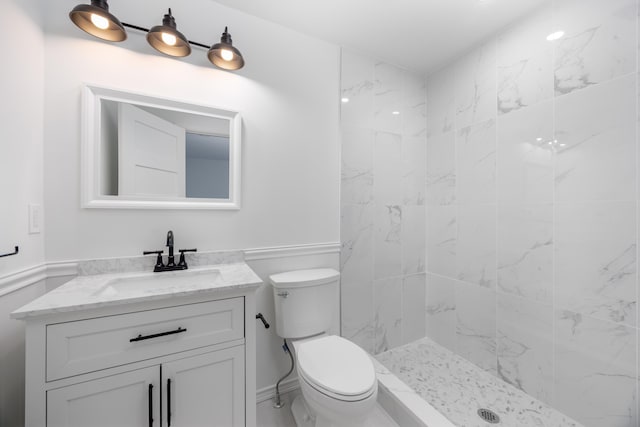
x,y
96,20
224,55
167,39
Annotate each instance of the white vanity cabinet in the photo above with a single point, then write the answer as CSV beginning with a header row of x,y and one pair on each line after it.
x,y
200,389
203,390
185,361
129,399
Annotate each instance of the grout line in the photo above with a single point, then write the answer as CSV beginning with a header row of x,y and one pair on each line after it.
x,y
496,211
554,235
591,86
403,210
340,189
637,177
372,135
456,205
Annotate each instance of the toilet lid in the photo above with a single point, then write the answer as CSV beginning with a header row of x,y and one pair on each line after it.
x,y
337,365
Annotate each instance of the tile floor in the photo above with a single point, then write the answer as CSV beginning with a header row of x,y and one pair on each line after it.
x,y
271,417
458,389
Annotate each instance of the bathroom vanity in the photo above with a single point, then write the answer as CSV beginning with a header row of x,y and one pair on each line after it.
x,y
144,349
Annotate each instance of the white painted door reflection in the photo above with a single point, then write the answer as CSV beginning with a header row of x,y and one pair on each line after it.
x,y
152,159
145,152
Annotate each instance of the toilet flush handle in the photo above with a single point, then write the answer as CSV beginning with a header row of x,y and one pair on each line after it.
x,y
283,294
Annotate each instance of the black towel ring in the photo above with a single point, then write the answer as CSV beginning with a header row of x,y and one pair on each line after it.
x,y
15,252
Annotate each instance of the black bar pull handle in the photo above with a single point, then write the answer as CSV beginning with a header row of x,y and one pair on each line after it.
x,y
150,405
161,334
168,402
264,321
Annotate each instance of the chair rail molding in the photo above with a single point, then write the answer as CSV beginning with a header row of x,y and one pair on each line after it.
x,y
21,279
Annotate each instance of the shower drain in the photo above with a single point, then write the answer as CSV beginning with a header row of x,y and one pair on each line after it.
x,y
488,415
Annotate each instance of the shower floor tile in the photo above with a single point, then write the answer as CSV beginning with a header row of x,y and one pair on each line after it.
x,y
458,389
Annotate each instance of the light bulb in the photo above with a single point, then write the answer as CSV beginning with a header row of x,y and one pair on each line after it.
x,y
100,21
169,39
226,54
344,100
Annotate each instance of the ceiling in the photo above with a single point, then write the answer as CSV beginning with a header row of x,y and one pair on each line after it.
x,y
420,35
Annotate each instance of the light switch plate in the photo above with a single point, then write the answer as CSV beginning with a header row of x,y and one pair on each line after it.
x,y
35,219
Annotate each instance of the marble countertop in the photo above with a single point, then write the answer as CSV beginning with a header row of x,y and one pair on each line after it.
x,y
92,291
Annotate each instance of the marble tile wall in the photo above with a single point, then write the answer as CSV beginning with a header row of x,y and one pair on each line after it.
x,y
383,227
532,208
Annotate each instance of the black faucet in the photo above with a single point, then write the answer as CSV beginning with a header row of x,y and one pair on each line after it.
x,y
171,263
170,260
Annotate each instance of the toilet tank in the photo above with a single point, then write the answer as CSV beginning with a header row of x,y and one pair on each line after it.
x,y
304,301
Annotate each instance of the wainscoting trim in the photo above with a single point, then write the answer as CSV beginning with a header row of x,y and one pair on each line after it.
x,y
22,279
30,276
291,251
27,277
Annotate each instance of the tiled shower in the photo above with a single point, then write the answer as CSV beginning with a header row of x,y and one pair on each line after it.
x,y
503,225
382,203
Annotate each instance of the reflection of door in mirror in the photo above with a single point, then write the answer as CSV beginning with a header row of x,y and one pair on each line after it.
x,y
151,154
146,152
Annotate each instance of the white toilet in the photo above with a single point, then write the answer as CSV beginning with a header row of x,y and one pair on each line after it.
x,y
337,378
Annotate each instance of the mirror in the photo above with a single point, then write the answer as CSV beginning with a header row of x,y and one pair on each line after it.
x,y
147,152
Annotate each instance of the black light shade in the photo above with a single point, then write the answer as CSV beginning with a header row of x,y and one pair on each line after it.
x,y
96,20
224,55
167,39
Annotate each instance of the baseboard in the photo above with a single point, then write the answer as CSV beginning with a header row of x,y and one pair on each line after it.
x,y
269,392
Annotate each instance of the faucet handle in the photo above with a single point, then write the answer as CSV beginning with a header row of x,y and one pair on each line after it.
x,y
183,262
159,263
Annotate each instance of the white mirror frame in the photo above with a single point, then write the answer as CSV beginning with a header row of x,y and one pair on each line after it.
x,y
90,149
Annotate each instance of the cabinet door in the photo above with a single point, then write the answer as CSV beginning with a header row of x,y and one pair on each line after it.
x,y
205,390
130,399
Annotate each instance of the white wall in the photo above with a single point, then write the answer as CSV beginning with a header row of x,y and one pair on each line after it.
x,y
21,86
289,106
290,151
290,139
382,203
20,184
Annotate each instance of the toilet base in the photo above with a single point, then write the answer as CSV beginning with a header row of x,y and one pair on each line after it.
x,y
304,416
301,413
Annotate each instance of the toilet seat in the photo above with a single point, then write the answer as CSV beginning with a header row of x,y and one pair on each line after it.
x,y
336,396
336,367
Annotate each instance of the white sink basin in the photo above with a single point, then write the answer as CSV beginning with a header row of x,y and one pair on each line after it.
x,y
159,283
